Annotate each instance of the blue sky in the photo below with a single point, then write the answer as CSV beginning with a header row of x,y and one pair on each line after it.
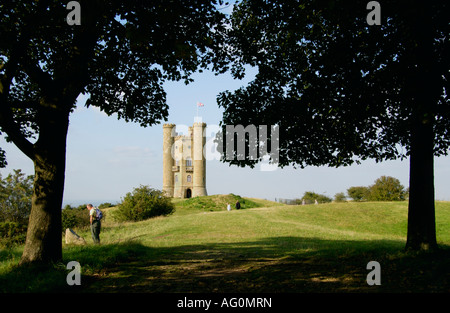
x,y
106,157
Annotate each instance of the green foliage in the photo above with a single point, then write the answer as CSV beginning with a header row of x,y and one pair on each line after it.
x,y
15,207
106,205
143,203
15,197
358,193
311,197
12,233
340,197
387,188
75,217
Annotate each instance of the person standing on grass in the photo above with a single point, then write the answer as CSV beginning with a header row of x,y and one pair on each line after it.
x,y
238,205
95,223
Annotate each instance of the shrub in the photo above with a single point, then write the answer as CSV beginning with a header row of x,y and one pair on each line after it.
x,y
12,233
359,193
75,217
15,197
106,205
311,197
340,197
387,188
15,207
143,203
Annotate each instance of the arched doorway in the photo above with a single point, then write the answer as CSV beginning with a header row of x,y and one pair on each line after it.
x,y
188,193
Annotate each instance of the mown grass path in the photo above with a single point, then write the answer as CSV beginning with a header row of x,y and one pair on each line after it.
x,y
323,248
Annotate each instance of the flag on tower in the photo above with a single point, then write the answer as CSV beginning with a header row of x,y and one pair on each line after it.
x,y
199,104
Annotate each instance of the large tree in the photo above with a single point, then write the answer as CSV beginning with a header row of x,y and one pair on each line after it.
x,y
119,55
342,91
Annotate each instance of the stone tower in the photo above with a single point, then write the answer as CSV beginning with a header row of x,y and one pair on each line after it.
x,y
184,165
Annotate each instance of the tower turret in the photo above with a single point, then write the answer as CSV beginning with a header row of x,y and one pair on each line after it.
x,y
168,140
199,183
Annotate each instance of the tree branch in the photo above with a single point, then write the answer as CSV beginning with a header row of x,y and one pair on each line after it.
x,y
43,79
13,130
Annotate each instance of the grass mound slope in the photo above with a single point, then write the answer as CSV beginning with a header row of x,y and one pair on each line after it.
x,y
264,247
217,203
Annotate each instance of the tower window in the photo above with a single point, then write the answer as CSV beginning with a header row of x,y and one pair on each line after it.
x,y
189,162
189,178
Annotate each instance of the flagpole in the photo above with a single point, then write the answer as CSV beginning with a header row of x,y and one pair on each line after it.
x,y
199,104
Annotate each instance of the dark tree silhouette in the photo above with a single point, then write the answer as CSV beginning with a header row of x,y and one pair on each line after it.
x,y
120,56
342,91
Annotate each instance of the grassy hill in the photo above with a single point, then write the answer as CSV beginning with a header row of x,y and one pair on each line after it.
x,y
266,247
218,203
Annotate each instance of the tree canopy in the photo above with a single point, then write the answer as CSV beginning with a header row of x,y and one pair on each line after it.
x,y
119,55
387,188
342,91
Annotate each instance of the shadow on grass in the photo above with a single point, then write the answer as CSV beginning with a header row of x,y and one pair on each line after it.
x,y
279,265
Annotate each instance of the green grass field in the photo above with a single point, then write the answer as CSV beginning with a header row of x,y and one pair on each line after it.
x,y
266,247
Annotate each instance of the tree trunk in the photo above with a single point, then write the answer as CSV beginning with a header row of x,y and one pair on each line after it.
x,y
43,243
421,209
